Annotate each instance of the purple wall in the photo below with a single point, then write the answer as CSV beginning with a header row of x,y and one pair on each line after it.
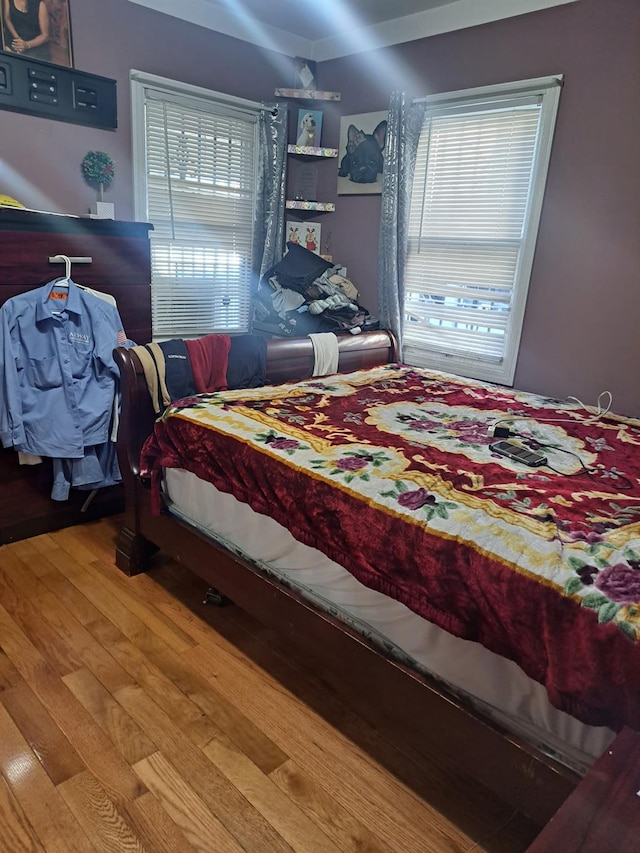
x,y
581,330
582,324
40,159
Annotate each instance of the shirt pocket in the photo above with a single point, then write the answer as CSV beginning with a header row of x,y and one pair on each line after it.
x,y
44,372
82,363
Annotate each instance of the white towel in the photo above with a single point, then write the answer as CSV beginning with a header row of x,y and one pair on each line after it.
x,y
325,350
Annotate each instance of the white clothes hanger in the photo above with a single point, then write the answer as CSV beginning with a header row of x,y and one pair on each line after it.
x,y
67,261
67,269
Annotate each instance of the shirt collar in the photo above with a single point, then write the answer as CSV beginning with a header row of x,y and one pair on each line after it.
x,y
72,304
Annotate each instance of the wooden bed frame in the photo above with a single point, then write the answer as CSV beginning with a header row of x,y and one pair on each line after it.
x,y
438,725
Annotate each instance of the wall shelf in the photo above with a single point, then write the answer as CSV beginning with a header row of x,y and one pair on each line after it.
x,y
304,209
318,206
303,187
308,94
310,151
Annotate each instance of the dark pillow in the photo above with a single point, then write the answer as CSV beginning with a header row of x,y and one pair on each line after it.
x,y
299,268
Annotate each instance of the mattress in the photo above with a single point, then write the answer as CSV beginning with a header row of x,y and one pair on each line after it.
x,y
495,686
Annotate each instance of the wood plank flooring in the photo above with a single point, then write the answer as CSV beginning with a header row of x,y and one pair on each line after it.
x,y
133,717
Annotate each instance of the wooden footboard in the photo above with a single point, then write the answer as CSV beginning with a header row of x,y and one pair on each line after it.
x,y
419,710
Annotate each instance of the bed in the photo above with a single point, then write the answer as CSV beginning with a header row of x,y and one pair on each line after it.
x,y
431,573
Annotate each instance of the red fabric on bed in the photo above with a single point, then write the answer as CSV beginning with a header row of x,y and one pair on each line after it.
x,y
209,356
590,670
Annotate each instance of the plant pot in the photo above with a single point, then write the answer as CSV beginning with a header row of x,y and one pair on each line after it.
x,y
102,210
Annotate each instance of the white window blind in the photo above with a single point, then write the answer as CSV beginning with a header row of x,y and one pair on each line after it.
x,y
477,190
200,176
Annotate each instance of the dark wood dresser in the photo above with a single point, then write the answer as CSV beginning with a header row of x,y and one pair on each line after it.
x,y
120,266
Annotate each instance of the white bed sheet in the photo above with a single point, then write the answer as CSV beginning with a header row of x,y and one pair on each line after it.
x,y
494,684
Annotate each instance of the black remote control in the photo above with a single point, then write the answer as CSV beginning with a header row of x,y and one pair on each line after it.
x,y
518,453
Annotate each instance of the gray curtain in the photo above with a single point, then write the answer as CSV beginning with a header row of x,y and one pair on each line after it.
x,y
403,132
269,224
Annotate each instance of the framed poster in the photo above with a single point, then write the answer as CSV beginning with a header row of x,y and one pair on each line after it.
x,y
309,128
292,231
305,234
37,29
361,153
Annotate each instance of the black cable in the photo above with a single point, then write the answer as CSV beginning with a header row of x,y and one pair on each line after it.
x,y
590,472
509,432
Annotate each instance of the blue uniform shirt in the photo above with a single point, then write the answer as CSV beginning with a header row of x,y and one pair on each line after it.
x,y
57,373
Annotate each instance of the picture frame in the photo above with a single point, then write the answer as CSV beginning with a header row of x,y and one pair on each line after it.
x,y
305,234
309,128
50,18
303,180
361,153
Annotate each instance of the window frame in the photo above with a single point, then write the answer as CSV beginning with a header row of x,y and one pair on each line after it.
x,y
183,94
548,89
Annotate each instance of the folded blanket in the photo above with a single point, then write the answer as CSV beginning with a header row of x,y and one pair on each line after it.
x,y
247,365
180,368
152,360
326,355
209,357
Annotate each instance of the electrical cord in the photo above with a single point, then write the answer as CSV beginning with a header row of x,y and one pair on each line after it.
x,y
603,408
600,412
582,470
533,444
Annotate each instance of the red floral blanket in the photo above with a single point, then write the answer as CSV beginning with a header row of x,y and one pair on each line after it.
x,y
390,473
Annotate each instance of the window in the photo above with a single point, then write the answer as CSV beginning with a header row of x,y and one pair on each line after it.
x,y
195,161
480,172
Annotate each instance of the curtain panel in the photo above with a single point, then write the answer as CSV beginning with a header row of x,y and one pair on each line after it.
x,y
403,132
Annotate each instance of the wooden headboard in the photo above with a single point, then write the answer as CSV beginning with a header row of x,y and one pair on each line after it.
x,y
287,359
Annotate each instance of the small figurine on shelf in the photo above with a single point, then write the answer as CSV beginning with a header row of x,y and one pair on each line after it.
x,y
305,73
98,170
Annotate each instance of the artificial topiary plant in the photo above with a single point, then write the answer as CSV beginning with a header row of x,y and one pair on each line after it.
x,y
98,170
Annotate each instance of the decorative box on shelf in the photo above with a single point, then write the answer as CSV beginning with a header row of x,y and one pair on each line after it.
x,y
308,94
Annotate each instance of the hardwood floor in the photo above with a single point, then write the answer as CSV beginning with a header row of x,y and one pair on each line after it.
x,y
133,717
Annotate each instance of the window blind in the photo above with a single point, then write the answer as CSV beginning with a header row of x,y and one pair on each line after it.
x,y
200,189
468,221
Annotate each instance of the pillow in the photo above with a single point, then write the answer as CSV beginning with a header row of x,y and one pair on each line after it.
x,y
299,268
